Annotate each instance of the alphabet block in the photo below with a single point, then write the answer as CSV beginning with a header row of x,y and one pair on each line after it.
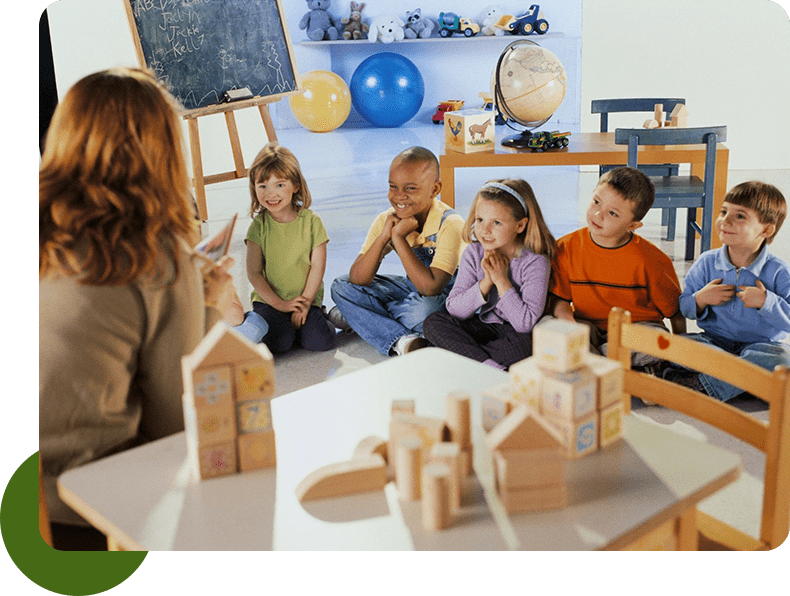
x,y
526,382
560,346
495,404
579,436
216,424
569,395
257,450
212,386
254,379
217,460
611,424
254,415
609,374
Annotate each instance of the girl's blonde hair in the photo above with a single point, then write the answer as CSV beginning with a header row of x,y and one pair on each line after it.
x,y
274,159
114,189
536,235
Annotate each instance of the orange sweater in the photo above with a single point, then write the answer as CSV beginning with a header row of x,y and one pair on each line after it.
x,y
636,276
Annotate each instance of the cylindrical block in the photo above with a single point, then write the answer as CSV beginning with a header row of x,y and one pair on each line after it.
x,y
408,464
450,455
459,419
435,496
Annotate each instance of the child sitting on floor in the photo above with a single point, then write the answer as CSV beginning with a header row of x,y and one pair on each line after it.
x,y
606,264
286,254
388,311
502,280
740,293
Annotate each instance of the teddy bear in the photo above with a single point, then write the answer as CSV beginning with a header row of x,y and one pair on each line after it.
x,y
493,14
318,22
417,26
355,28
387,27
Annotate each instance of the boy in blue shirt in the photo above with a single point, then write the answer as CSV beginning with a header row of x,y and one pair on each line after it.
x,y
740,293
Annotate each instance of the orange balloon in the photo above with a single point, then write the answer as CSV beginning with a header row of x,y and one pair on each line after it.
x,y
325,104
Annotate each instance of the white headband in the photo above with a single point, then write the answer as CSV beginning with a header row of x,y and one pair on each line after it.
x,y
510,191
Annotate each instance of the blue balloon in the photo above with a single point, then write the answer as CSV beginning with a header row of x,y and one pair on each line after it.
x,y
387,89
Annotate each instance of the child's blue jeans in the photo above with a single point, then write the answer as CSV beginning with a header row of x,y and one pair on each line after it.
x,y
386,310
254,327
767,355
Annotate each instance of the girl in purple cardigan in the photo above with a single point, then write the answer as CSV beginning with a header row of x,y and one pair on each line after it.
x,y
503,277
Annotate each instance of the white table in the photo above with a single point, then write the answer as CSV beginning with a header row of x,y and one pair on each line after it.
x,y
148,498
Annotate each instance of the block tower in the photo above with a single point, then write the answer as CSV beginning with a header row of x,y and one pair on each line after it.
x,y
228,387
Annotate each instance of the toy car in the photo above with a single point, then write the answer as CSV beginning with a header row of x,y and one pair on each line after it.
x,y
544,140
450,23
450,105
488,105
531,21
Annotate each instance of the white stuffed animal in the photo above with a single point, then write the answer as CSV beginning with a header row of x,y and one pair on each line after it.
x,y
493,14
387,28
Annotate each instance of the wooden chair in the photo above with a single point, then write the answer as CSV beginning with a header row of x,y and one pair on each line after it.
x,y
691,192
604,107
773,438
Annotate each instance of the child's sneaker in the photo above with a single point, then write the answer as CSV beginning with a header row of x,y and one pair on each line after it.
x,y
404,344
336,318
685,378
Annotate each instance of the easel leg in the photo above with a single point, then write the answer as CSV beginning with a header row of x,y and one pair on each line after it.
x,y
197,169
235,144
266,116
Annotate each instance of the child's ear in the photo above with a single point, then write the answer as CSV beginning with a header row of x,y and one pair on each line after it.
x,y
437,188
768,231
634,225
522,225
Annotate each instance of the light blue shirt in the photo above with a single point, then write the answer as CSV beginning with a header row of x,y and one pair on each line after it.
x,y
732,320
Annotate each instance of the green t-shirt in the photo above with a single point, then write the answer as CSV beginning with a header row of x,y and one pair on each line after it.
x,y
286,251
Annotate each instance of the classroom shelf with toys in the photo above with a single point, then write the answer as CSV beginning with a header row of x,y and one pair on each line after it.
x,y
504,39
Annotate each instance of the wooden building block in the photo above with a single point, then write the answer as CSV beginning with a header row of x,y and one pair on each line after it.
x,y
449,454
522,468
216,424
212,386
570,395
428,430
560,346
523,428
679,116
658,114
611,424
579,436
459,419
254,379
495,404
436,509
254,415
217,460
370,445
402,406
466,462
538,498
361,474
408,467
526,382
257,450
609,374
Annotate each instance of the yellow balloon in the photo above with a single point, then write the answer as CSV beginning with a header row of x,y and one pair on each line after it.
x,y
325,104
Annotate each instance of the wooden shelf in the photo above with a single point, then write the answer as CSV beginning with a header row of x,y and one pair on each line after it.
x,y
454,38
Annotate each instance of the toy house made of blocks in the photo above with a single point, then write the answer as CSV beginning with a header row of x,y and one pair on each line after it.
x,y
228,387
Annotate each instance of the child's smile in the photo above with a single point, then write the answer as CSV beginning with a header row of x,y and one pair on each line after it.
x,y
496,228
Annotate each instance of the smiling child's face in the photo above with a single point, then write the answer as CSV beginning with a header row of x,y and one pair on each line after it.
x,y
412,188
275,195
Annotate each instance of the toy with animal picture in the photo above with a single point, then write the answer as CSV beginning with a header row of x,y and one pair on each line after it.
x,y
469,131
532,21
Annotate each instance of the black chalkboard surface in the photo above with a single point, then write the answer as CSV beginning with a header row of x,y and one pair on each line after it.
x,y
202,48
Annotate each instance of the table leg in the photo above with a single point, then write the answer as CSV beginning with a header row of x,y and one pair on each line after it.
x,y
687,530
447,176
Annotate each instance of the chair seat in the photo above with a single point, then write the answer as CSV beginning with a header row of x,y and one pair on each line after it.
x,y
678,191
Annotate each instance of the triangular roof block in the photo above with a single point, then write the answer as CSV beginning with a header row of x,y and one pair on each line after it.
x,y
523,428
680,110
223,345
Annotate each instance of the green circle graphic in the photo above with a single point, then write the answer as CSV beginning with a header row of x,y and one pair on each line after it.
x,y
64,572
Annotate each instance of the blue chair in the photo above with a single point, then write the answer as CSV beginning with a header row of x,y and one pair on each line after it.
x,y
675,192
604,107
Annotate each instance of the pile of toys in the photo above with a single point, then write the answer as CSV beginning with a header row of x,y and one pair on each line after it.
x,y
320,24
561,403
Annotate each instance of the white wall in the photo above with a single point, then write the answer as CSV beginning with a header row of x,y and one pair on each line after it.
x,y
728,58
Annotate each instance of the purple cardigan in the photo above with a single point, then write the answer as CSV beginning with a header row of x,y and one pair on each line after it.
x,y
521,306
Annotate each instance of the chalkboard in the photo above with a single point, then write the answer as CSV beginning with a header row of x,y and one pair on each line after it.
x,y
201,48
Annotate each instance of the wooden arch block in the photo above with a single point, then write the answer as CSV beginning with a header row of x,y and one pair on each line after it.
x,y
361,474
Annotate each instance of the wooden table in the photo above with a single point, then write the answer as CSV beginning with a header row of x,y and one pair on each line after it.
x,y
641,491
588,148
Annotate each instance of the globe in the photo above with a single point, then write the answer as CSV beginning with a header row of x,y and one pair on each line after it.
x,y
528,86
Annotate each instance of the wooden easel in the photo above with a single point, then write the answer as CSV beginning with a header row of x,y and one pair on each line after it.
x,y
199,180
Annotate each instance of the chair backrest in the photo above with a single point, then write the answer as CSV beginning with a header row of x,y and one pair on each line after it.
x,y
773,438
604,107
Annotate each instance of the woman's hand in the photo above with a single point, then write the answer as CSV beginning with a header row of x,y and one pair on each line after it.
x,y
218,289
